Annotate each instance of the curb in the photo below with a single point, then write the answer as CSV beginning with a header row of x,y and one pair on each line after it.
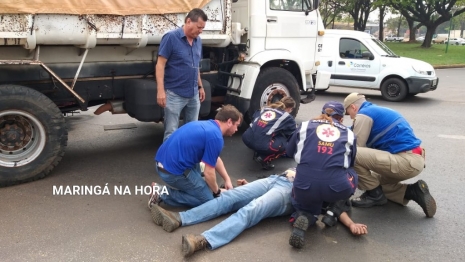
x,y
448,66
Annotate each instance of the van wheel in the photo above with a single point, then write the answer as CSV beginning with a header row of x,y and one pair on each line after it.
x,y
273,84
394,90
33,135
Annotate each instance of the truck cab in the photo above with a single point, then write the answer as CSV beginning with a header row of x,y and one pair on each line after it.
x,y
359,60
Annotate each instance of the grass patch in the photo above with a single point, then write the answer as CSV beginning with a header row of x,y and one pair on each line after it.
x,y
435,55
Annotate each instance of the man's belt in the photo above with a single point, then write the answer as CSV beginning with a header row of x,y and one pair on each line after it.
x,y
417,150
160,167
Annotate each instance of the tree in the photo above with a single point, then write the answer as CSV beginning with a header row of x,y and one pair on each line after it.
x,y
330,10
359,10
424,12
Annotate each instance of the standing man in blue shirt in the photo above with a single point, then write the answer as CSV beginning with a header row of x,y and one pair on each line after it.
x,y
179,86
388,152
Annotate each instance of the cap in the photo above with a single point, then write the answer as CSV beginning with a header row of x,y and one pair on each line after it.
x,y
336,106
352,98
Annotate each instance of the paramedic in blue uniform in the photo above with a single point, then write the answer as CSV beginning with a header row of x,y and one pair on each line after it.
x,y
178,160
324,150
388,152
269,131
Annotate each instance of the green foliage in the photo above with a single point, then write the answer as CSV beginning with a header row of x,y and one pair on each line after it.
x,y
434,55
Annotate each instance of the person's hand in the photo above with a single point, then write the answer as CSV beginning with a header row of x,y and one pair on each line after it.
x,y
161,98
241,182
202,94
358,229
228,185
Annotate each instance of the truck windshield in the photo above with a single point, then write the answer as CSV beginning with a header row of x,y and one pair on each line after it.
x,y
382,49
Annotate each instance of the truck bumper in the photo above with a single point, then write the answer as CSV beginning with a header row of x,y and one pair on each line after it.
x,y
240,103
421,85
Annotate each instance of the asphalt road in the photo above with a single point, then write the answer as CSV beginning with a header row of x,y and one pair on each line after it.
x,y
37,225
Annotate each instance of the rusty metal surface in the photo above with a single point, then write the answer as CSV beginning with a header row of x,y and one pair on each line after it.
x,y
14,23
160,24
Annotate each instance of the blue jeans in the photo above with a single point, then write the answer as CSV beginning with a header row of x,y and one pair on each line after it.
x,y
189,190
174,106
253,202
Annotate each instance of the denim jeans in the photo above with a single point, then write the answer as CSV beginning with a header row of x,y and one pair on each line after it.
x,y
189,190
174,106
253,202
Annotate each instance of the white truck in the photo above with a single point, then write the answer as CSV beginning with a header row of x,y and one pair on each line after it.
x,y
359,60
58,57
394,38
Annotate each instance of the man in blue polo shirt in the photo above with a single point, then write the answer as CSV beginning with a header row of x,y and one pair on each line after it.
x,y
178,160
179,86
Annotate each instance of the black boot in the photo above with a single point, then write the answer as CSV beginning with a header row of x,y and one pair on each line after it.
x,y
374,197
334,211
297,238
265,164
419,193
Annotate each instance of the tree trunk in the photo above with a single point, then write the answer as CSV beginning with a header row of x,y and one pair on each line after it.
x,y
382,10
412,30
429,36
398,26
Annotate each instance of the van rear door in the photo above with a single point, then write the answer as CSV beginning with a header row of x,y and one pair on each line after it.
x,y
356,65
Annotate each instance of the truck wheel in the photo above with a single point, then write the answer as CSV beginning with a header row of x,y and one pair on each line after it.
x,y
273,84
394,90
33,135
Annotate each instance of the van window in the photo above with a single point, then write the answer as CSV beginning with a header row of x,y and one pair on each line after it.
x,y
289,5
352,48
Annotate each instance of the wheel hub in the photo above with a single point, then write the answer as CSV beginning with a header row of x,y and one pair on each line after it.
x,y
273,94
393,90
15,133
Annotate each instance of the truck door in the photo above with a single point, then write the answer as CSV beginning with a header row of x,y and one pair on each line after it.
x,y
289,28
328,56
355,66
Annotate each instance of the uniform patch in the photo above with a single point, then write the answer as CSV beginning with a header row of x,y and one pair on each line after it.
x,y
327,133
268,116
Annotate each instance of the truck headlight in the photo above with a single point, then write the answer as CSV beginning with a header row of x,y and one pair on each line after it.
x,y
420,71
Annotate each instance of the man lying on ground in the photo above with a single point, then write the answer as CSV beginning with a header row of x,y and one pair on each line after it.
x,y
253,202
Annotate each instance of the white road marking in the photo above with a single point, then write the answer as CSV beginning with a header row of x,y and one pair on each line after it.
x,y
451,136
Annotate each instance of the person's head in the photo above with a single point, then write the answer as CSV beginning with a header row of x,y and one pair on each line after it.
x,y
230,119
332,110
286,103
352,104
194,23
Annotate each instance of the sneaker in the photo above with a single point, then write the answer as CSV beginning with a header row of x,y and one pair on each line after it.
x,y
154,198
370,198
192,243
297,238
420,194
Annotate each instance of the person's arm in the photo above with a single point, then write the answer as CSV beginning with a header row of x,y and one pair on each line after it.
x,y
160,77
223,173
201,90
362,129
210,178
355,228
291,145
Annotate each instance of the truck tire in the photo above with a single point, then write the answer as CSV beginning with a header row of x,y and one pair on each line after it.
x,y
394,89
273,84
33,135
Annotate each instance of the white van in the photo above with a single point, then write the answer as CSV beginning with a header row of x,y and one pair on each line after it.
x,y
357,59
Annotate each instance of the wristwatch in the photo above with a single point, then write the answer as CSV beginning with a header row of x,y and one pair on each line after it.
x,y
200,87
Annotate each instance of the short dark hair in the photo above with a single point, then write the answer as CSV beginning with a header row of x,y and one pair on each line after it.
x,y
228,112
195,14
